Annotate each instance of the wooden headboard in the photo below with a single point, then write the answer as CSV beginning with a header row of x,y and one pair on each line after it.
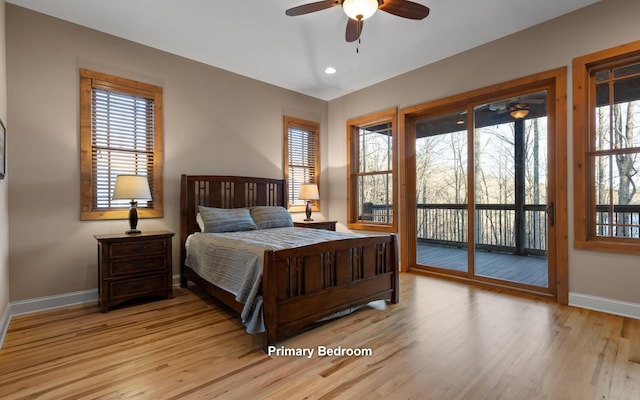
x,y
224,192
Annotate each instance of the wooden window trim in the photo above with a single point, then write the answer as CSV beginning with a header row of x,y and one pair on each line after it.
x,y
353,124
308,126
88,80
584,220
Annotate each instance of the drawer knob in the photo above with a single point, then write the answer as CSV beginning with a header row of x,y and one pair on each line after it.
x,y
139,248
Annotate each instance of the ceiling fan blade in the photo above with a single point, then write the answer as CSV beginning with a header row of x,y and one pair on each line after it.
x,y
354,30
312,7
404,9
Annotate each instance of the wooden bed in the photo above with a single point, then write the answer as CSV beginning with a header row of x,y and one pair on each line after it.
x,y
300,285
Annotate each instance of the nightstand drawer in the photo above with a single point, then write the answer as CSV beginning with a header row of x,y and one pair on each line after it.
x,y
130,288
138,247
134,266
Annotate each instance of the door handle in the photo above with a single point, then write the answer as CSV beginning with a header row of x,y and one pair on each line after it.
x,y
551,213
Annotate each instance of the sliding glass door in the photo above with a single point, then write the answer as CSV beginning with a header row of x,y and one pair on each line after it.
x,y
510,168
481,187
442,192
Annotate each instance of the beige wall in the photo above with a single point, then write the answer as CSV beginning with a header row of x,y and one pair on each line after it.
x,y
544,47
215,122
214,118
4,209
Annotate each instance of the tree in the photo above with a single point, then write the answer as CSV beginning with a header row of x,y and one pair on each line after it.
x,y
623,138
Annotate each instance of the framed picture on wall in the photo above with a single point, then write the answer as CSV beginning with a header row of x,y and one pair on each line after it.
x,y
3,150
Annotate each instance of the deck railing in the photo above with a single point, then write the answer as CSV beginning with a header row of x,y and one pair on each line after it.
x,y
495,230
620,221
447,224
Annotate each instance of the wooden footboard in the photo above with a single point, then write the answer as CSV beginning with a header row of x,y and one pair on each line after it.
x,y
304,284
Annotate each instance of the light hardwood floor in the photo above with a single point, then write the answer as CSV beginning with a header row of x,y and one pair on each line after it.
x,y
444,340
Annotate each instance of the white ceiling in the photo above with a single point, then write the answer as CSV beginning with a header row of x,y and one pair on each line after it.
x,y
256,39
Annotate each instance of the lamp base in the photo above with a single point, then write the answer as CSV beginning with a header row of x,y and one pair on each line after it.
x,y
133,218
308,211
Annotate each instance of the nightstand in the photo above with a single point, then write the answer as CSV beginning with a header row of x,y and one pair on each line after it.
x,y
328,225
133,266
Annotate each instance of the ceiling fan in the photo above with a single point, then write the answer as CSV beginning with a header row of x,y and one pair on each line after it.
x,y
518,107
359,10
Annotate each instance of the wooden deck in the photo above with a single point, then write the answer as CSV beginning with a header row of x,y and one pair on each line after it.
x,y
523,269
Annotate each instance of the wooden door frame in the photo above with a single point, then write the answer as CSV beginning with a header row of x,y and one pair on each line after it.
x,y
555,81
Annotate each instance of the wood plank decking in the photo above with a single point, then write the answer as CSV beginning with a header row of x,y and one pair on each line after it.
x,y
523,269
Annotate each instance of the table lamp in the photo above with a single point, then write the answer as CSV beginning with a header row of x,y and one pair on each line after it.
x,y
308,192
134,188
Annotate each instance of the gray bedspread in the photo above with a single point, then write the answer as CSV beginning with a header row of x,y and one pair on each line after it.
x,y
233,261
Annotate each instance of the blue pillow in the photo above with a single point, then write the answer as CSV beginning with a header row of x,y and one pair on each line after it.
x,y
266,217
226,219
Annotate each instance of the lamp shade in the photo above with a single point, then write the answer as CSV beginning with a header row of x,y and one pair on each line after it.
x,y
131,187
309,191
359,9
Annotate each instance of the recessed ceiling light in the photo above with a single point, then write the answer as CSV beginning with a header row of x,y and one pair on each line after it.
x,y
330,71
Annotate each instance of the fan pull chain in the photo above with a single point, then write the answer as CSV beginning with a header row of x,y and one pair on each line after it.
x,y
359,34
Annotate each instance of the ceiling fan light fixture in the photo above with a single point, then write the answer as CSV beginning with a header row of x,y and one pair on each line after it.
x,y
359,9
519,113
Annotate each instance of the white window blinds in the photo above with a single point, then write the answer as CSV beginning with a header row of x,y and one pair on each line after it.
x,y
301,157
122,143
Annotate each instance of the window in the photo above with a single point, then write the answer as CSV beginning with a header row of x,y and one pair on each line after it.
x,y
120,133
301,158
371,164
607,149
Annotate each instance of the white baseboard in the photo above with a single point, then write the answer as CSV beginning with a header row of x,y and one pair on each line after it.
x,y
51,302
616,307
